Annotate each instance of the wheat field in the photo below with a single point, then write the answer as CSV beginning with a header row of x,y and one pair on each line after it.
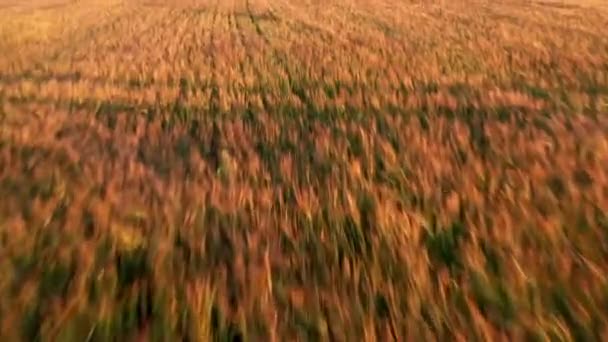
x,y
278,170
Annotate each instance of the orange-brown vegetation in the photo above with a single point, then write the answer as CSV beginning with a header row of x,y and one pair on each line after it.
x,y
281,170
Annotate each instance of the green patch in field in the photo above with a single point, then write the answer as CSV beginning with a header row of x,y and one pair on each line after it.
x,y
307,325
155,157
183,147
493,259
503,114
480,142
495,301
219,247
562,305
595,89
444,244
23,267
459,89
423,119
131,266
107,112
298,88
356,243
582,178
330,90
31,323
223,330
268,154
557,186
103,252
429,87
60,212
536,92
434,320
44,189
367,205
355,144
55,280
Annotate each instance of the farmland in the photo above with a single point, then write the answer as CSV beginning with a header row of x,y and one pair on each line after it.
x,y
277,170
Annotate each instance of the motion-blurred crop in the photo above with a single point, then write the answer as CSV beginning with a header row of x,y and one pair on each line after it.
x,y
276,170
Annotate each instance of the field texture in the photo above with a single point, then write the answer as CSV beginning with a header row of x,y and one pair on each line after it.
x,y
277,170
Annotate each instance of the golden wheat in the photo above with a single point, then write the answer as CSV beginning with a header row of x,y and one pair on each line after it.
x,y
303,170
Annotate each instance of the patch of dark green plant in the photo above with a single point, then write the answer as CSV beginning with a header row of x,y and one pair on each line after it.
x,y
392,268
494,300
23,267
358,244
222,329
306,324
458,299
382,308
214,106
182,147
459,89
380,170
388,132
563,306
504,114
107,112
187,259
355,144
219,247
316,254
298,89
55,280
103,252
44,189
131,266
434,320
31,323
595,88
330,90
536,92
429,87
557,186
582,178
46,241
95,289
268,155
423,120
161,322
181,113
59,213
480,142
125,321
325,115
10,186
367,206
155,157
492,257
444,244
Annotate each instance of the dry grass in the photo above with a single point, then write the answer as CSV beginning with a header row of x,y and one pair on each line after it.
x,y
303,170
